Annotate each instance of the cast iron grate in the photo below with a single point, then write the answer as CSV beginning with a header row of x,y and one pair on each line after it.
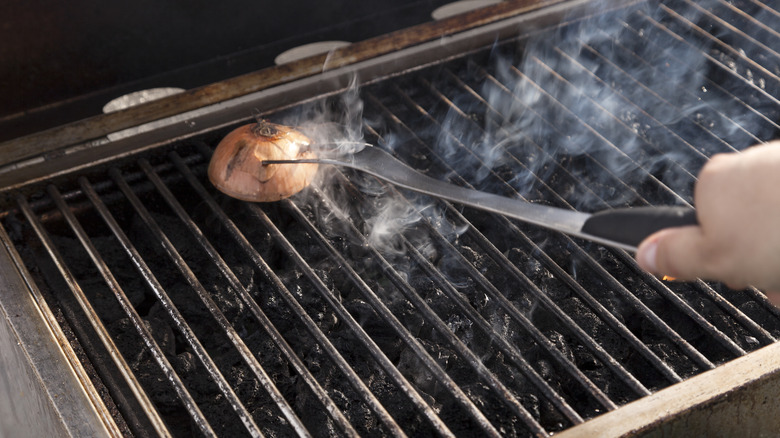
x,y
357,308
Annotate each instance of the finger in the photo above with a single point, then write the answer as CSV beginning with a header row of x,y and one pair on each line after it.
x,y
774,297
676,252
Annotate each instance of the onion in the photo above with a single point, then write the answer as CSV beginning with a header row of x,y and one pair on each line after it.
x,y
236,167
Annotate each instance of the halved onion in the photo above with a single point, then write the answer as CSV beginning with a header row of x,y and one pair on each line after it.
x,y
236,167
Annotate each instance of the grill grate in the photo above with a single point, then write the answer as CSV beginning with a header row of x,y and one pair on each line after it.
x,y
358,308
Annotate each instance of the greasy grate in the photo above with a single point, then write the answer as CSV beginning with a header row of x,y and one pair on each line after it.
x,y
360,308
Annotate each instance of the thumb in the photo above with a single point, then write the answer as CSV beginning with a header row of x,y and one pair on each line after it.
x,y
676,252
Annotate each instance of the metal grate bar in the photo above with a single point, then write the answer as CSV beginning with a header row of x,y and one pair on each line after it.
x,y
735,313
490,326
496,295
173,312
759,297
705,115
728,70
212,307
387,315
765,7
138,323
602,312
561,107
310,325
593,303
675,137
511,351
504,393
261,317
627,378
751,21
383,311
733,32
373,348
505,347
662,289
116,356
650,37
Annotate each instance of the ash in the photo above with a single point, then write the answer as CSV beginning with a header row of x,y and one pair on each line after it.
x,y
527,325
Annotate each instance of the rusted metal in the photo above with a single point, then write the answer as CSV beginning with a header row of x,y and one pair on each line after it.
x,y
73,404
98,126
99,327
735,399
596,280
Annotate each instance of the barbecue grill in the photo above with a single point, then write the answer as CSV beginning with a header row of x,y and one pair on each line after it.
x,y
139,300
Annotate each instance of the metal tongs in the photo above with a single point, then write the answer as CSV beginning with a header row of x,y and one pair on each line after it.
x,y
621,228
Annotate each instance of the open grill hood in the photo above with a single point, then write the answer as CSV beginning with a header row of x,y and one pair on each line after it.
x,y
141,301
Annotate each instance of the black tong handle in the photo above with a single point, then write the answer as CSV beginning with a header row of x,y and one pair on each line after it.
x,y
632,225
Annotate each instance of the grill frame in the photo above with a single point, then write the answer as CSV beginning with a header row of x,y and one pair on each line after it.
x,y
77,133
734,398
51,393
756,377
78,145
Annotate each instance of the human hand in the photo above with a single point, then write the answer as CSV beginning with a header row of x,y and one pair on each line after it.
x,y
737,240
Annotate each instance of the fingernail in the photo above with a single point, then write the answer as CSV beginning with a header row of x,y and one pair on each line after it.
x,y
646,256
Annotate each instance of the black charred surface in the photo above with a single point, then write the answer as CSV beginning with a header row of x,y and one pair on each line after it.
x,y
542,313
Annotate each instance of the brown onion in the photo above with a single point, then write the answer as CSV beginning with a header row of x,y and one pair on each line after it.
x,y
236,167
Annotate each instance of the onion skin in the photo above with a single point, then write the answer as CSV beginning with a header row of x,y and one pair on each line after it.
x,y
236,167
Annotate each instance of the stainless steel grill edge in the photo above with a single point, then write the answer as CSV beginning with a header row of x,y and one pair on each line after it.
x,y
228,318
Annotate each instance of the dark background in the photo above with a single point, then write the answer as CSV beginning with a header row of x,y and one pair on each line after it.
x,y
62,61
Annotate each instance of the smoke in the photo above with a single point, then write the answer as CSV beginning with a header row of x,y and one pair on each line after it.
x,y
627,98
386,220
622,108
334,125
